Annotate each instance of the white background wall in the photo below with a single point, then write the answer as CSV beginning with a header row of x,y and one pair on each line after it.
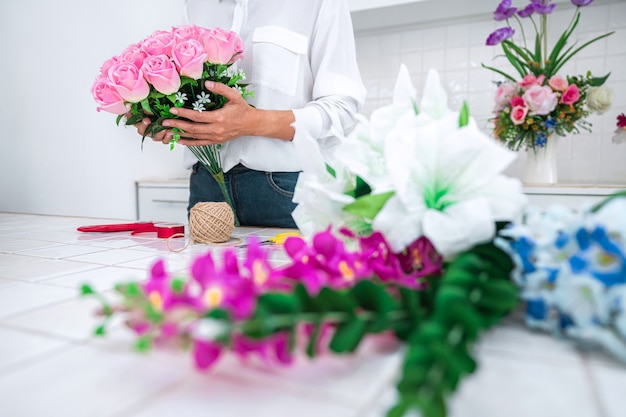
x,y
59,156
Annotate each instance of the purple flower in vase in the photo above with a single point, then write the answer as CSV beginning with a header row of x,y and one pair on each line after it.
x,y
500,35
527,11
504,10
582,3
543,6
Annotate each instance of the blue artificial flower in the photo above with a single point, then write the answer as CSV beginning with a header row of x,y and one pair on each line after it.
x,y
525,248
565,321
541,140
537,309
550,123
599,256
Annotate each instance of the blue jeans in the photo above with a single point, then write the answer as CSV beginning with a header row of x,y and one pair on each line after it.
x,y
260,198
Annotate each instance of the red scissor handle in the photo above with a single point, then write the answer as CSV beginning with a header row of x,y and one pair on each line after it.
x,y
120,227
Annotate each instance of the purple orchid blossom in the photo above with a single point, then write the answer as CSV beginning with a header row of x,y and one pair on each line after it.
x,y
500,35
543,6
504,11
582,3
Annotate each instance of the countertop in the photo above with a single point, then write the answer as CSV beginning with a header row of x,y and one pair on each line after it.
x,y
52,365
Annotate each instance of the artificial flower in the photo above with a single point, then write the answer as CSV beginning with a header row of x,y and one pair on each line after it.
x,y
151,76
599,99
447,186
573,271
538,68
619,135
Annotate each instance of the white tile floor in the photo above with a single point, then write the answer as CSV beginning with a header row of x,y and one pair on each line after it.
x,y
50,365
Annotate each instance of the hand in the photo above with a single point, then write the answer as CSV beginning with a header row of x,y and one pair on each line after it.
x,y
211,127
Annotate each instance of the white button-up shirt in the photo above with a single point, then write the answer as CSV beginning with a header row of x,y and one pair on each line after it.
x,y
299,55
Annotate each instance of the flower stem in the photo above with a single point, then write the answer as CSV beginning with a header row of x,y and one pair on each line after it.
x,y
219,178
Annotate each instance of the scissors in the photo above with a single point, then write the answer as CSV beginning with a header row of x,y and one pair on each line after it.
x,y
278,239
163,230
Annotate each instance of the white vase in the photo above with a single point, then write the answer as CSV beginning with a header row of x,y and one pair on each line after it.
x,y
541,167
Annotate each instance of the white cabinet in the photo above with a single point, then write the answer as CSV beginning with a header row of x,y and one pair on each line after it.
x,y
572,196
162,200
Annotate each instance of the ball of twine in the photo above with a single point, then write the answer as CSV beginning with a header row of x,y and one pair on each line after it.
x,y
211,222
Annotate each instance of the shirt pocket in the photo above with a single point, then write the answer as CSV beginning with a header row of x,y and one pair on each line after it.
x,y
278,54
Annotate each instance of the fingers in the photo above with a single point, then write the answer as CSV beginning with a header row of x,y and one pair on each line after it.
x,y
223,90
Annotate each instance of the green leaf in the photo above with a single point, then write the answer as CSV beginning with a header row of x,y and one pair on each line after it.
x,y
100,331
498,71
177,285
86,289
598,81
369,205
373,297
331,300
331,171
361,189
279,303
145,105
464,115
567,57
143,344
311,348
399,410
348,335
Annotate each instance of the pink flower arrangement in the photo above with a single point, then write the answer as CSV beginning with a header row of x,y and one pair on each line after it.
x,y
168,69
529,111
550,104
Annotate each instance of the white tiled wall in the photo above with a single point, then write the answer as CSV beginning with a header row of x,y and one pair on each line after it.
x,y
456,48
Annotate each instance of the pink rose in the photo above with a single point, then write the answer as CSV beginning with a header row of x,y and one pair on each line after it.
x,y
530,80
189,57
129,82
540,100
133,55
222,46
570,95
104,69
517,101
107,97
503,94
159,43
558,83
161,72
188,32
518,114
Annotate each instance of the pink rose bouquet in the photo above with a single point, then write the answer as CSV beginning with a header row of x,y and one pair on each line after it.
x,y
529,111
542,103
169,69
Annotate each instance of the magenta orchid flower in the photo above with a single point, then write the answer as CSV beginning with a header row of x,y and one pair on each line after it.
x,y
223,287
421,256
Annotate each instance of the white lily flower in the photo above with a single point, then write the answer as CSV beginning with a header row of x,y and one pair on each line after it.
x,y
447,179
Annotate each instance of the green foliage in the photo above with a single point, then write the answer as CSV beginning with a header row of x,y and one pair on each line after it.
x,y
368,205
439,325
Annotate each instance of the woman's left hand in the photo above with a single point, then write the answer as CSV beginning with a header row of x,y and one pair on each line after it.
x,y
213,127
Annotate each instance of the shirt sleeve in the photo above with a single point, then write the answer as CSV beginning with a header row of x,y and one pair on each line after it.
x,y
338,91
